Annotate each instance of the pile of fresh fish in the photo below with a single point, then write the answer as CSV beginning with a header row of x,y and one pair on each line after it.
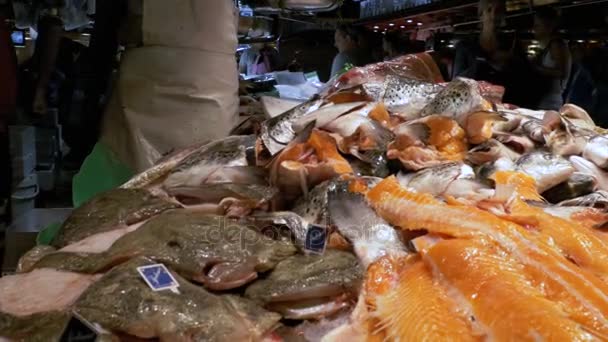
x,y
393,206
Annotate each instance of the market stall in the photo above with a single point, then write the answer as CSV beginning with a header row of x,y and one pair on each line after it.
x,y
386,204
392,205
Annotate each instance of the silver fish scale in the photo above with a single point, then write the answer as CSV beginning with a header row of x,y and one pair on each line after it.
x,y
224,150
400,90
313,208
279,128
449,100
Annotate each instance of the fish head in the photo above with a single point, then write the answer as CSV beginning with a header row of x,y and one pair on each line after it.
x,y
436,179
546,168
200,164
460,97
485,171
371,236
564,143
490,151
304,285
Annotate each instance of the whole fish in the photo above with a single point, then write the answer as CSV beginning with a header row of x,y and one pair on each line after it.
x,y
108,211
200,164
277,132
212,250
120,301
548,170
309,286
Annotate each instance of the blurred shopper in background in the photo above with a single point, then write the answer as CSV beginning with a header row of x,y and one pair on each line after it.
x,y
554,62
347,41
580,89
496,57
394,45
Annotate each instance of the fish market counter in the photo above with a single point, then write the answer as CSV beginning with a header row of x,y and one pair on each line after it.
x,y
392,205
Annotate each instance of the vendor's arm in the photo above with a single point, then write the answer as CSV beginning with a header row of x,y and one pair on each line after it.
x,y
51,28
561,55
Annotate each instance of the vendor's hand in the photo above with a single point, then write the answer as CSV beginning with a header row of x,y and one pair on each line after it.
x,y
40,105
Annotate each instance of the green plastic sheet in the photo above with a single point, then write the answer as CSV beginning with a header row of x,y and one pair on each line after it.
x,y
100,171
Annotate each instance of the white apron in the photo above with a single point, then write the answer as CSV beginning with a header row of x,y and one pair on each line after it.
x,y
181,87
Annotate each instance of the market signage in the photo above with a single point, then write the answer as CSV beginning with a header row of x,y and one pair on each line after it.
x,y
373,8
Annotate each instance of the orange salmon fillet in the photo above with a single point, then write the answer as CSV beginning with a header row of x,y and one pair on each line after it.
x,y
503,302
576,242
412,211
418,309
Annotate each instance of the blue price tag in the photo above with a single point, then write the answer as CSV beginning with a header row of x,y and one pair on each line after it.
x,y
158,277
316,239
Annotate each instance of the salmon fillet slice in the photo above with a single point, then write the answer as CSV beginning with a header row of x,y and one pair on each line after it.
x,y
418,309
574,241
412,211
501,298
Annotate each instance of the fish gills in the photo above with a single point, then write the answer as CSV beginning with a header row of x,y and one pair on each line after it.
x,y
428,313
501,298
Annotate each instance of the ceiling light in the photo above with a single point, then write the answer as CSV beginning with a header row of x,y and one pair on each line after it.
x,y
409,20
419,24
391,24
376,27
402,26
376,31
